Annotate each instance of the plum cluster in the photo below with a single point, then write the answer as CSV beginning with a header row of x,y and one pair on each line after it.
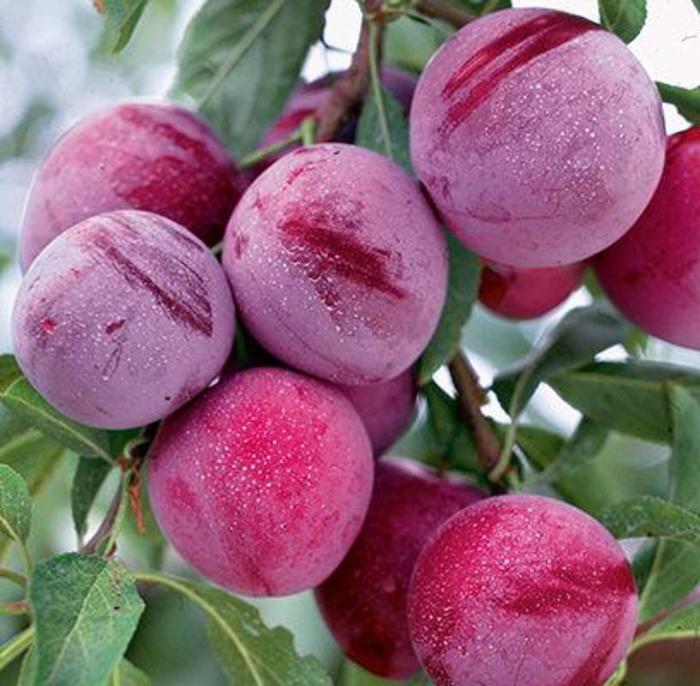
x,y
538,140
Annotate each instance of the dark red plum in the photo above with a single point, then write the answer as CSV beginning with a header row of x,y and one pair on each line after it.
x,y
521,589
527,293
122,319
159,158
338,265
364,600
538,135
386,409
652,274
262,483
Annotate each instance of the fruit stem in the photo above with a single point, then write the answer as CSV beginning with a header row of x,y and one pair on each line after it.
x,y
16,646
440,9
15,578
263,153
471,397
349,88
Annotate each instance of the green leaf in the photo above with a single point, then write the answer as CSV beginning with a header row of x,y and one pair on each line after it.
x,y
573,342
27,673
626,18
4,261
249,652
586,444
482,7
86,610
541,447
122,17
127,674
451,439
676,566
697,4
15,505
626,396
685,100
462,290
240,60
354,675
651,517
29,453
370,132
88,479
410,44
682,624
17,394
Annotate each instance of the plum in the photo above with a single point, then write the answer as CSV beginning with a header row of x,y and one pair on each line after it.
x,y
538,135
364,600
521,589
386,409
159,158
122,319
652,274
527,293
338,265
307,98
262,483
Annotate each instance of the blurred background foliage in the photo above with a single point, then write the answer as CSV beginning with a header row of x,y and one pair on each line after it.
x,y
55,66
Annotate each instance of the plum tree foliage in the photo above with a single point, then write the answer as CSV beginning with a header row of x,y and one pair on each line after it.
x,y
240,305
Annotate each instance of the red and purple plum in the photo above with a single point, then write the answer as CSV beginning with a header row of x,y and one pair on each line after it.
x,y
338,265
652,275
538,135
386,409
159,158
527,293
263,482
364,600
521,589
122,319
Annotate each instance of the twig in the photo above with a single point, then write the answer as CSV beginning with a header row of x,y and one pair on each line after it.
x,y
441,9
105,529
349,88
471,398
15,578
15,607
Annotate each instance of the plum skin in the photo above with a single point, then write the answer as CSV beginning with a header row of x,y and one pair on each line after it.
x,y
122,319
538,135
364,600
262,483
156,157
652,274
521,585
338,265
386,409
527,293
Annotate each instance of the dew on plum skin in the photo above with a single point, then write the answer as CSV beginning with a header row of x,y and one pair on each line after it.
x,y
527,293
538,136
342,272
139,321
526,586
278,470
155,157
386,409
652,274
364,600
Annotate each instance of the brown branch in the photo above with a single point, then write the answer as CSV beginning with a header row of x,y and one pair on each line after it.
x,y
350,87
441,9
471,398
105,527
